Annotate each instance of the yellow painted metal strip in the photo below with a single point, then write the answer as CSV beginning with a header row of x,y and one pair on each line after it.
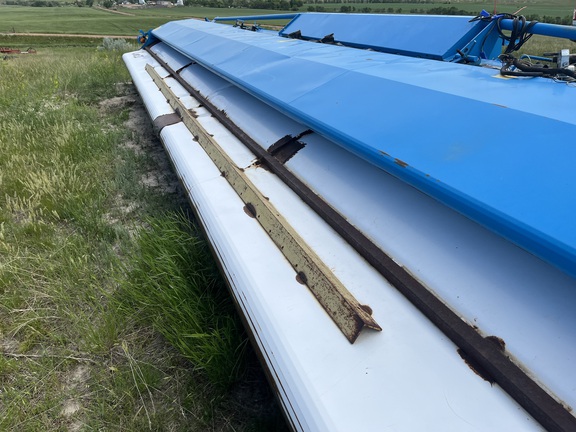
x,y
347,313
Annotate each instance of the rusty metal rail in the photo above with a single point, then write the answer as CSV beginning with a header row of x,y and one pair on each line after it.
x,y
348,314
488,357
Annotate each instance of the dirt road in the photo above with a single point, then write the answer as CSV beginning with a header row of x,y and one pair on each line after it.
x,y
69,35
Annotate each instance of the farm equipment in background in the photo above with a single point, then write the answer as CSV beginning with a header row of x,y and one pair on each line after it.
x,y
7,53
4,50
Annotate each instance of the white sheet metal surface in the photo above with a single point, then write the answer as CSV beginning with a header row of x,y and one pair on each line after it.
x,y
331,384
154,101
458,259
174,58
409,377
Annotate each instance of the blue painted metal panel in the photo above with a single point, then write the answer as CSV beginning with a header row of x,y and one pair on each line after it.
x,y
426,36
268,17
498,150
544,29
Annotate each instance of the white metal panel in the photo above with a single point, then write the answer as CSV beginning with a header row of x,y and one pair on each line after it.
x,y
480,275
153,98
221,211
495,285
176,87
381,378
228,98
170,56
409,377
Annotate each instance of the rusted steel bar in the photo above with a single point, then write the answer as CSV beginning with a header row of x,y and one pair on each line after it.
x,y
346,312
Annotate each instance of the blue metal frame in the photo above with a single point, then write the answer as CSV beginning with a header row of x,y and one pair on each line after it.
x,y
257,17
451,130
427,36
544,29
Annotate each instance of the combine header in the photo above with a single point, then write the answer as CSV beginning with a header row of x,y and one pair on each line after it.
x,y
391,199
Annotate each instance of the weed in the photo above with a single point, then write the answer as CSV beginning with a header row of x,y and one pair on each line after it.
x,y
109,44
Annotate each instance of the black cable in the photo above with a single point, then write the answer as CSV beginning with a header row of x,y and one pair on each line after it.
x,y
519,34
524,69
520,29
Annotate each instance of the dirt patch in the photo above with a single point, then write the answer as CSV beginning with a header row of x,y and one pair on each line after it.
x,y
119,102
75,388
79,375
8,346
70,407
144,141
143,138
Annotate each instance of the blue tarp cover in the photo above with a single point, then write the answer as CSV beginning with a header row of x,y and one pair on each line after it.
x,y
500,151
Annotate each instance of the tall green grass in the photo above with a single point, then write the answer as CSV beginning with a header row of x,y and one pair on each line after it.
x,y
112,315
172,282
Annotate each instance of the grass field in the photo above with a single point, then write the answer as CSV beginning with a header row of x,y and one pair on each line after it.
x,y
548,8
17,19
113,316
101,22
78,20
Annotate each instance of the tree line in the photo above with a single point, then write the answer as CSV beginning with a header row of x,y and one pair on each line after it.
x,y
295,5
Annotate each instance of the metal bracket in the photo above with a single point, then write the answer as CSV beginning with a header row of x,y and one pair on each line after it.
x,y
346,312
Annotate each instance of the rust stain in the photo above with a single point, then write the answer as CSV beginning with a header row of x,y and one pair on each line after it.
x,y
250,210
400,162
287,146
260,163
301,278
499,342
383,153
473,364
366,309
476,368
